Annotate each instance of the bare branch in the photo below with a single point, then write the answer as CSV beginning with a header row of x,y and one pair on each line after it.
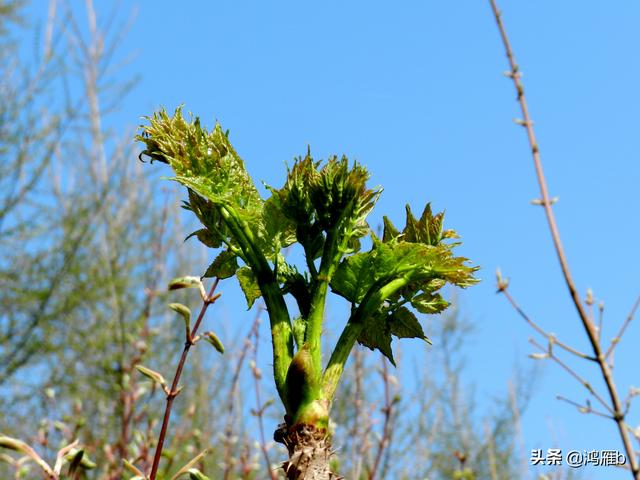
x,y
550,337
615,340
588,325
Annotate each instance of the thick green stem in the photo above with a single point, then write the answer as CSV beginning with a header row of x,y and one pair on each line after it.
x,y
281,333
328,265
371,302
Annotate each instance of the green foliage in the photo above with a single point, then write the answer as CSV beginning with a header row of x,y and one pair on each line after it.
x,y
324,208
249,285
422,264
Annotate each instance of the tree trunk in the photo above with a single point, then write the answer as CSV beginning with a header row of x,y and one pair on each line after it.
x,y
309,452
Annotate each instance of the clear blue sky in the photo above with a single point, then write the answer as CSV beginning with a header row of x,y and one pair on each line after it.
x,y
415,91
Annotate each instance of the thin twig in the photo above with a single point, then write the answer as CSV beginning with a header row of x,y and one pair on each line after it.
x,y
615,340
540,330
173,392
574,374
546,203
128,394
584,408
600,321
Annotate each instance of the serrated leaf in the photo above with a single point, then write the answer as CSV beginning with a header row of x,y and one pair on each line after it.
x,y
390,232
221,192
206,237
279,231
294,197
427,230
429,303
249,285
215,230
355,276
411,232
152,374
404,324
204,161
326,197
213,339
224,266
417,262
376,335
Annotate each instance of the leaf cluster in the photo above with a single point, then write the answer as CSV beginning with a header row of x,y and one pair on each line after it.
x,y
417,260
324,208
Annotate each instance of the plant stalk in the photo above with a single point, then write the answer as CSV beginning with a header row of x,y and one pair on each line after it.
x,y
174,385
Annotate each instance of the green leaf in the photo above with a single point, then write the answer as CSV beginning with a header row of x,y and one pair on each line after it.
x,y
206,237
249,285
427,230
293,198
188,282
195,474
213,339
74,459
376,335
224,266
78,458
316,199
355,276
186,315
221,192
339,195
404,324
152,374
279,231
204,161
216,231
429,303
390,232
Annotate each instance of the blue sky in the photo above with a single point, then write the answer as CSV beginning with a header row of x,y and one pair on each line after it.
x,y
415,91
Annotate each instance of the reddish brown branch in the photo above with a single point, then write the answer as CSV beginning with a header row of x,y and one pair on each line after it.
x,y
173,392
588,325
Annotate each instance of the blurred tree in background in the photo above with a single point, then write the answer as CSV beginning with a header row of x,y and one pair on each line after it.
x,y
84,239
88,245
